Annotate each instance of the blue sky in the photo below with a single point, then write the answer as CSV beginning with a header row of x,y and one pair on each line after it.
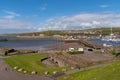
x,y
38,15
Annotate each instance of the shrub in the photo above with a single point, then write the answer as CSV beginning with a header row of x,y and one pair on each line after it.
x,y
75,52
113,52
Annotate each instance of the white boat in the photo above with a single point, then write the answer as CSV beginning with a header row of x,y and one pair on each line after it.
x,y
106,45
111,38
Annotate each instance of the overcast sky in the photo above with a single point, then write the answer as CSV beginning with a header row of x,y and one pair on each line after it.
x,y
38,15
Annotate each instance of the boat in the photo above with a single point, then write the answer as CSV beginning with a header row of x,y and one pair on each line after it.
x,y
107,45
111,38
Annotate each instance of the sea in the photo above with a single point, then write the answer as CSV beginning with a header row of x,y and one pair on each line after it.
x,y
42,44
99,41
28,44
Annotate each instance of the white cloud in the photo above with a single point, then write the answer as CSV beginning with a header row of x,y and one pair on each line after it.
x,y
16,25
95,22
10,14
43,7
76,22
9,17
8,24
82,21
86,24
104,6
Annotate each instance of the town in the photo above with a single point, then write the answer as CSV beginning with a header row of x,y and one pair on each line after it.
x,y
71,53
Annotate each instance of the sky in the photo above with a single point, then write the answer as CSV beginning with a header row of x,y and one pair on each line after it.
x,y
18,16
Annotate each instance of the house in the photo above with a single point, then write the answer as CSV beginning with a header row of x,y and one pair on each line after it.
x,y
80,49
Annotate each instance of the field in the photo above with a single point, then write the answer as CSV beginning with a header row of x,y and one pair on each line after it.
x,y
111,72
32,63
0,54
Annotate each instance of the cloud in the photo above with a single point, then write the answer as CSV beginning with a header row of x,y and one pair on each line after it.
x,y
16,26
81,21
10,14
75,22
104,6
43,7
9,17
31,16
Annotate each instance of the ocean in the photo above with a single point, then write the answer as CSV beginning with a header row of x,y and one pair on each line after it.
x,y
98,41
28,44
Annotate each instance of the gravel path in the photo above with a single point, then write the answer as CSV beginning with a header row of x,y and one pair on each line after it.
x,y
78,70
6,73
86,68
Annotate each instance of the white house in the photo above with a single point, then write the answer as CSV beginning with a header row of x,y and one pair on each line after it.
x,y
80,49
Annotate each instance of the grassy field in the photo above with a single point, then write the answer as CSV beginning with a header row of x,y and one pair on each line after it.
x,y
111,72
32,63
0,54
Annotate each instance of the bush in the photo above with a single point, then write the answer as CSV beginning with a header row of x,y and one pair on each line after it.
x,y
113,53
118,54
75,52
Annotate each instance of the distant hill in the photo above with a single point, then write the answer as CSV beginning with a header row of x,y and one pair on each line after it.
x,y
103,31
107,31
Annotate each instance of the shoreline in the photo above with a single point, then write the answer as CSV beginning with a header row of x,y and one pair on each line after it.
x,y
61,43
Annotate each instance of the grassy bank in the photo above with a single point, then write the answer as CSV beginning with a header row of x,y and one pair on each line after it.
x,y
111,72
32,63
1,54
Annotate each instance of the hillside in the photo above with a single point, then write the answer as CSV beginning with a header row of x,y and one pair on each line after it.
x,y
98,31
111,72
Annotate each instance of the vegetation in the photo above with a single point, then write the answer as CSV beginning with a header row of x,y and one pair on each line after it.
x,y
113,52
103,31
111,72
53,32
98,52
1,54
106,31
47,33
75,52
32,63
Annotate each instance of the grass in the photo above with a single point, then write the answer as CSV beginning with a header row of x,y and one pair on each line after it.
x,y
75,52
111,72
98,52
1,54
32,63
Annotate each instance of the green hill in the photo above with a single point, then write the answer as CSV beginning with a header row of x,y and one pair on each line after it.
x,y
98,31
106,31
111,72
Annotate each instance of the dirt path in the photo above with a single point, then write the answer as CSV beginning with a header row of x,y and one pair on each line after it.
x,y
86,68
6,73
77,70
